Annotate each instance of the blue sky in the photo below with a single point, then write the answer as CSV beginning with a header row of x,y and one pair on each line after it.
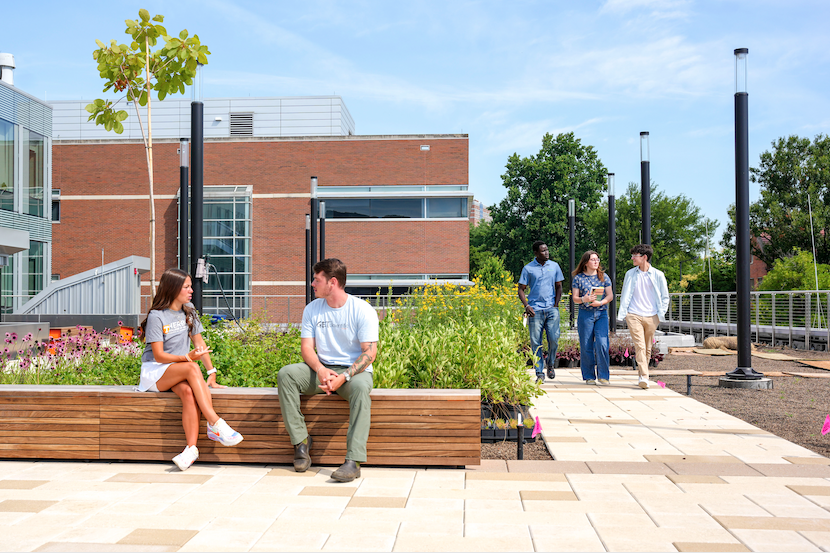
x,y
503,72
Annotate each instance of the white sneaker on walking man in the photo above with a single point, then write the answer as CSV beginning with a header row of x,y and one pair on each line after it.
x,y
643,304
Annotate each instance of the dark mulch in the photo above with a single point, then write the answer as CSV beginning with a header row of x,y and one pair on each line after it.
x,y
533,451
794,409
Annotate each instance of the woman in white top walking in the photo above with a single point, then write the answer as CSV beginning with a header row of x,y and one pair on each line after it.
x,y
168,363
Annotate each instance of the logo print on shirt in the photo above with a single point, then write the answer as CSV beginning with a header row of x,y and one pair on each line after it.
x,y
330,324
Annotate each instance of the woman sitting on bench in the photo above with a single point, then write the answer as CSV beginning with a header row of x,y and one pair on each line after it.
x,y
168,363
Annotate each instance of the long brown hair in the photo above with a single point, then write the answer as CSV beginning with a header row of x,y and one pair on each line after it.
x,y
170,284
584,263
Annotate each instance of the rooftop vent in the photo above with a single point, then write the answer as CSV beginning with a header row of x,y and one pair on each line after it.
x,y
7,68
242,124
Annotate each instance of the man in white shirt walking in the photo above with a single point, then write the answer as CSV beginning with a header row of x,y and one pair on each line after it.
x,y
643,304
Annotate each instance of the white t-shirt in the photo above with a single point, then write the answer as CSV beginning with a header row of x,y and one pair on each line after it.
x,y
338,333
644,300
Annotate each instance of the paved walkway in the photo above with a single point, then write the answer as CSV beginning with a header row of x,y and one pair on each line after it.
x,y
636,470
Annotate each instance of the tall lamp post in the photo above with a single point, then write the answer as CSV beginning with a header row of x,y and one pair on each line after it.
x,y
612,252
184,200
197,162
572,235
645,188
744,370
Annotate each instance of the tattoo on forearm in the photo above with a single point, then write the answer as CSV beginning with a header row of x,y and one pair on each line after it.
x,y
361,364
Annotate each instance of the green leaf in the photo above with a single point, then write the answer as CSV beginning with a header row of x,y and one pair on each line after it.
x,y
134,45
108,124
161,30
158,18
118,127
144,15
203,59
162,94
99,43
90,108
183,34
121,115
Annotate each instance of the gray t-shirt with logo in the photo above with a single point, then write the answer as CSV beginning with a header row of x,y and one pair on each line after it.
x,y
170,327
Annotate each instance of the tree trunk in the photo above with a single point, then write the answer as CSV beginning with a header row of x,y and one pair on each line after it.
x,y
150,172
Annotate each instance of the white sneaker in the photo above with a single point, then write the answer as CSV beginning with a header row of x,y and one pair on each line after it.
x,y
186,458
222,433
643,382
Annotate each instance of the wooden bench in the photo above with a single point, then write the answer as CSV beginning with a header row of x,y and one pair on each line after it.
x,y
409,427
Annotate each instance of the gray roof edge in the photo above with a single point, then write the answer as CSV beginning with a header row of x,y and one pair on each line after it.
x,y
26,94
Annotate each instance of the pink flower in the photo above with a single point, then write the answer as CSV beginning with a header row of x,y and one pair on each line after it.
x,y
661,384
120,323
826,428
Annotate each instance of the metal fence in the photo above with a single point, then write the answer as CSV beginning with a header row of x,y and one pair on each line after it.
x,y
796,319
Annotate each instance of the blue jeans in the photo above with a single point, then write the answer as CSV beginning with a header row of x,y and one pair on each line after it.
x,y
546,320
593,344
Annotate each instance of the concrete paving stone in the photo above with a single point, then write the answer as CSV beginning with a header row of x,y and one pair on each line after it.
x,y
378,502
424,516
202,496
183,521
774,523
44,518
71,547
713,469
326,515
21,484
774,540
604,467
493,505
497,529
206,511
432,527
335,491
281,541
152,536
805,471
166,478
639,521
356,542
583,506
70,506
488,465
479,493
663,486
675,459
528,495
284,472
704,547
520,476
222,540
84,534
695,479
811,490
431,503
808,460
561,439
788,504
701,522
8,519
239,524
445,543
616,538
400,491
518,485
24,506
819,539
720,505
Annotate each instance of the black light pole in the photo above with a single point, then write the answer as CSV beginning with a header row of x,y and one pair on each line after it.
x,y
612,252
308,275
184,200
572,235
322,230
742,257
197,162
314,218
645,188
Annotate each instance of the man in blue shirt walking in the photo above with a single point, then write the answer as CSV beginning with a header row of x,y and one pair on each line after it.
x,y
544,279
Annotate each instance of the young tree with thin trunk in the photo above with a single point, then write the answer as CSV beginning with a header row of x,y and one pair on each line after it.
x,y
136,70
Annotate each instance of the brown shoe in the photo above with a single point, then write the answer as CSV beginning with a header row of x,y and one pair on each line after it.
x,y
347,472
302,455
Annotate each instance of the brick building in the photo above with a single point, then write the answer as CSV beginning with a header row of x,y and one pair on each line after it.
x,y
396,206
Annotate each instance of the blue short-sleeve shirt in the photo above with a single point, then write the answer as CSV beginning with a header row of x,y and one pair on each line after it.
x,y
541,281
585,283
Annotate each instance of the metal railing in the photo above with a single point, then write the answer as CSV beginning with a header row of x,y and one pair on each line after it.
x,y
796,317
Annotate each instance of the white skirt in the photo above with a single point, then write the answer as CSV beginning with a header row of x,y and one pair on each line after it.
x,y
151,371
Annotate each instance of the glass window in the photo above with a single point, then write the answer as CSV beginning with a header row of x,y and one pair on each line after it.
x,y
227,240
56,211
6,166
34,148
33,277
363,208
7,286
446,207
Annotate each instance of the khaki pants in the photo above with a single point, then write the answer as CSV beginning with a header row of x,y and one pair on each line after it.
x,y
642,334
298,379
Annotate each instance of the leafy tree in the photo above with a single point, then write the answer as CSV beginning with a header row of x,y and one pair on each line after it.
x,y
136,70
797,272
696,278
794,170
536,207
678,232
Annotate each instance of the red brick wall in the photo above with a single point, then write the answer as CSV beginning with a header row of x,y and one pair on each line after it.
x,y
121,226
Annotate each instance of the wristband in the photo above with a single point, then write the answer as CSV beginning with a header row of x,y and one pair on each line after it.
x,y
211,371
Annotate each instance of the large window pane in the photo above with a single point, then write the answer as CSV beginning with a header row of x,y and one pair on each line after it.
x,y
34,268
446,207
34,145
7,286
6,165
348,209
386,208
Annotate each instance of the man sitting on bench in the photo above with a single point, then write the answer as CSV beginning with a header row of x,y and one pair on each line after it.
x,y
338,343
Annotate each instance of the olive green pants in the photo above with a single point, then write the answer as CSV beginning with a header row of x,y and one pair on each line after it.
x,y
298,379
